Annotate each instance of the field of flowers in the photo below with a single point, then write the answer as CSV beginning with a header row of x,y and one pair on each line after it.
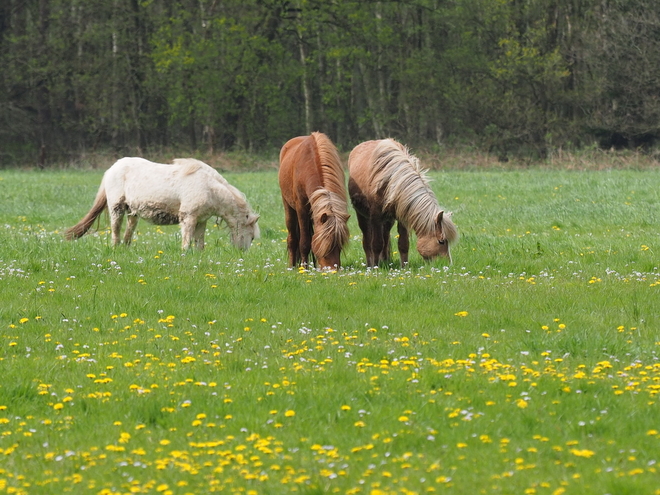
x,y
531,365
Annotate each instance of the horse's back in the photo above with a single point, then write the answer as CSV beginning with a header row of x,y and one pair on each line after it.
x,y
360,157
360,166
137,181
290,148
299,169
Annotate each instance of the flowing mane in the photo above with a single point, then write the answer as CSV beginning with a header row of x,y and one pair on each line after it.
x,y
329,207
331,169
404,185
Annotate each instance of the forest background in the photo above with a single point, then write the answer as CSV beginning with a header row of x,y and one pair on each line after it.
x,y
509,78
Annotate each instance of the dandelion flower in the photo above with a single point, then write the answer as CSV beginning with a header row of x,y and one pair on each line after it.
x,y
582,452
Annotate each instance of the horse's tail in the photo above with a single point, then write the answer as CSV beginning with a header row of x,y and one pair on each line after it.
x,y
81,228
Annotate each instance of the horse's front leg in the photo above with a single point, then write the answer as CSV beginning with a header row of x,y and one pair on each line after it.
x,y
131,223
306,232
404,243
385,252
377,244
200,229
293,236
365,226
188,224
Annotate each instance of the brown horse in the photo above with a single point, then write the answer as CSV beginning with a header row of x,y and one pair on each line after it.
x,y
386,183
314,194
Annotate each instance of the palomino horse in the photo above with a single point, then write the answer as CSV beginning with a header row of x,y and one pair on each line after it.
x,y
386,183
315,206
188,192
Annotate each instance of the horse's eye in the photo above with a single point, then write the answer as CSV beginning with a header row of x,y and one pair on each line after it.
x,y
442,243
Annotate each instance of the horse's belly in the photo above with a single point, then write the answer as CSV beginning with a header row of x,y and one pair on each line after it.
x,y
156,213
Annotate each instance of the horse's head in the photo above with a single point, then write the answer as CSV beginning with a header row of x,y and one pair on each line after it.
x,y
331,261
330,237
437,242
247,229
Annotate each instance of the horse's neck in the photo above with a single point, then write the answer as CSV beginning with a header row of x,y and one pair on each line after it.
x,y
420,213
228,204
311,184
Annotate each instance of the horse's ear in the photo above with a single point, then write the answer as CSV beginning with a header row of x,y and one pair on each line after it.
x,y
324,218
439,220
253,219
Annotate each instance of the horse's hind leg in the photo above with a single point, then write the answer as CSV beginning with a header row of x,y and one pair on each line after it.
x,y
378,233
131,223
116,217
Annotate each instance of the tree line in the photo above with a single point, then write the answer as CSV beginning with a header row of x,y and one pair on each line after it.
x,y
507,76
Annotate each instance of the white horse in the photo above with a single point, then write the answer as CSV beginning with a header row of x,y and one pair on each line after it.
x,y
187,192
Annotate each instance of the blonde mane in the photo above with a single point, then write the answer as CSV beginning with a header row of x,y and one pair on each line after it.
x,y
404,185
329,201
331,170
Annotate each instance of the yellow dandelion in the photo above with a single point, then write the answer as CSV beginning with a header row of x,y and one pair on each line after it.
x,y
582,452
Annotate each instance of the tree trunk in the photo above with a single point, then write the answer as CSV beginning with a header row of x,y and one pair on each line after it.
x,y
307,93
43,111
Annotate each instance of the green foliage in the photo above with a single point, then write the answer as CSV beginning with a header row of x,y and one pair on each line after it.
x,y
510,77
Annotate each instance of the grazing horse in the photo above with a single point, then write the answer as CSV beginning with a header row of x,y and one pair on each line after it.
x,y
314,195
386,183
187,192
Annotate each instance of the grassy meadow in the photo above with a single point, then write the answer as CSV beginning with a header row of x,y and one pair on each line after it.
x,y
529,366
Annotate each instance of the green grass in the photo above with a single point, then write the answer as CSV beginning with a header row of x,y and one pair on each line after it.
x,y
530,365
